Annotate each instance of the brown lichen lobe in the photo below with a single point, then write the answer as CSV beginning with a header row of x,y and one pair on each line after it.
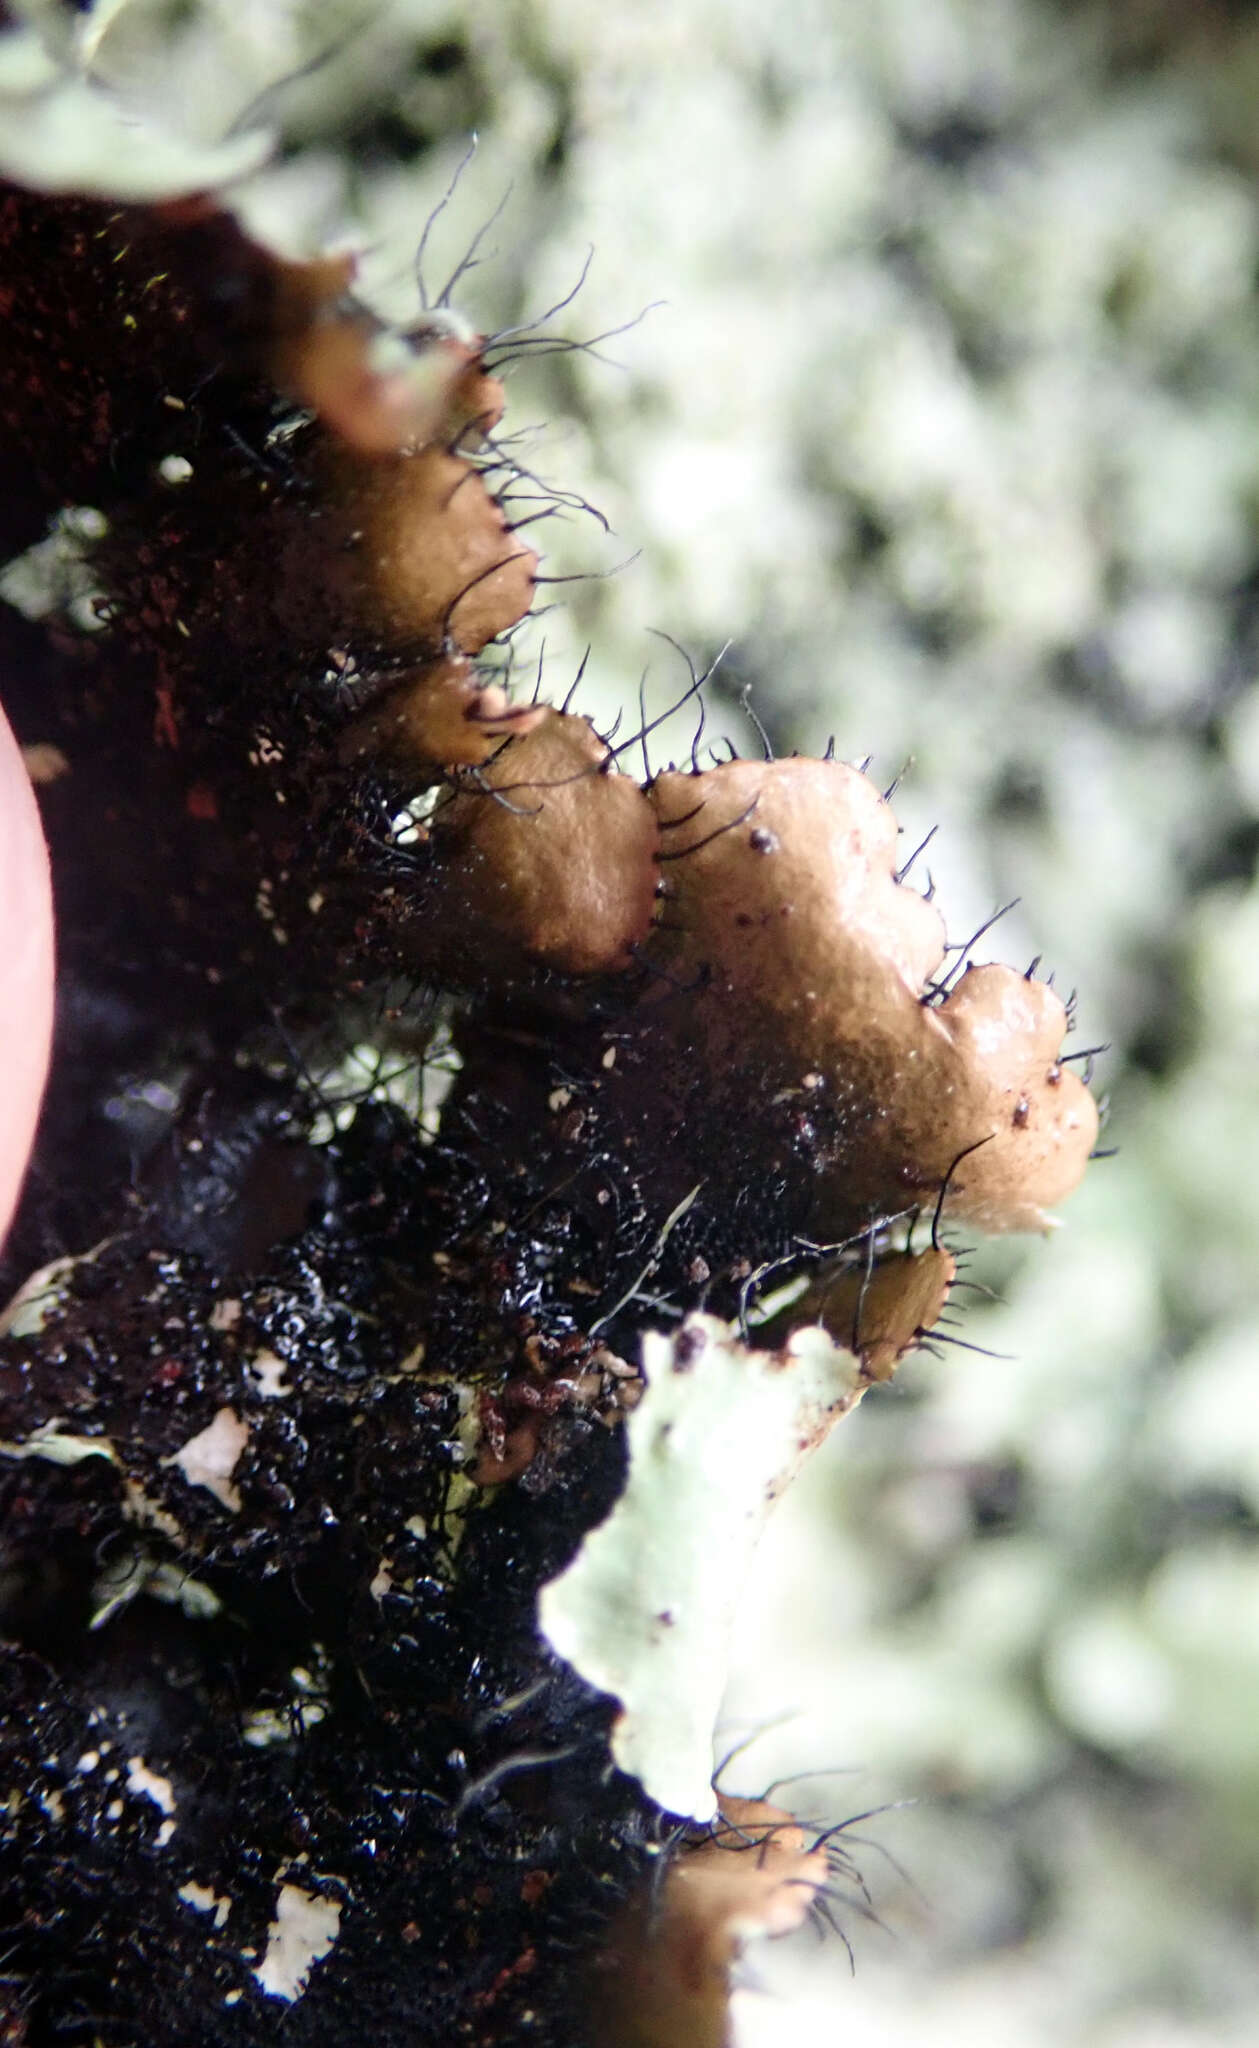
x,y
665,1978
444,715
791,965
805,953
384,393
883,1313
552,852
790,864
380,390
1005,1034
412,550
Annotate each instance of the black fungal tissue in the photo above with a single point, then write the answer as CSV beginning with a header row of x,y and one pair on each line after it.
x,y
281,1752
265,1640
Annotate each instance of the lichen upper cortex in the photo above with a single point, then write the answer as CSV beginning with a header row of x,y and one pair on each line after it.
x,y
665,1975
762,901
881,1311
645,1611
805,954
552,852
443,714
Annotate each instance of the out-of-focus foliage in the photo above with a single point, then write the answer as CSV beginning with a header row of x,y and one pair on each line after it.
x,y
950,420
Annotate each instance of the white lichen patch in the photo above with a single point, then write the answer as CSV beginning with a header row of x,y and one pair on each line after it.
x,y
118,1585
267,1373
55,576
152,1785
148,1514
307,1707
645,1610
204,1899
210,1458
58,1446
60,130
302,1932
266,1725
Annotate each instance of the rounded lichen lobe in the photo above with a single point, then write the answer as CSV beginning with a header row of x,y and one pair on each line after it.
x,y
1005,1032
414,550
799,944
787,865
550,854
442,715
666,1976
880,1313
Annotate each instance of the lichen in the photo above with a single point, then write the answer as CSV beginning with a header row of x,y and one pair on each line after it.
x,y
372,1382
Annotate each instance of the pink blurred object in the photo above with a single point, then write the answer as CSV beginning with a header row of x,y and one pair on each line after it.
x,y
26,969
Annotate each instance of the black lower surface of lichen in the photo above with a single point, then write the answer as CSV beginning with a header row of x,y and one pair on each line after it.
x,y
336,1673
331,1656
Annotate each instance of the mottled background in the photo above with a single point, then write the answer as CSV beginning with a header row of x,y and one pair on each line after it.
x,y
948,422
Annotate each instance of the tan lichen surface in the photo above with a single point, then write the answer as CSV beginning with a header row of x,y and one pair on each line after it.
x,y
806,880
381,392
552,851
804,954
883,1313
444,715
415,550
1005,1033
665,1979
753,1875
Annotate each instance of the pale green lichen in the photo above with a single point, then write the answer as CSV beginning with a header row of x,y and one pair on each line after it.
x,y
59,1446
60,131
38,1300
646,1609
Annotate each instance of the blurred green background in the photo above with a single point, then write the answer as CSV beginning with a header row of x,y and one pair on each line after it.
x,y
949,423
